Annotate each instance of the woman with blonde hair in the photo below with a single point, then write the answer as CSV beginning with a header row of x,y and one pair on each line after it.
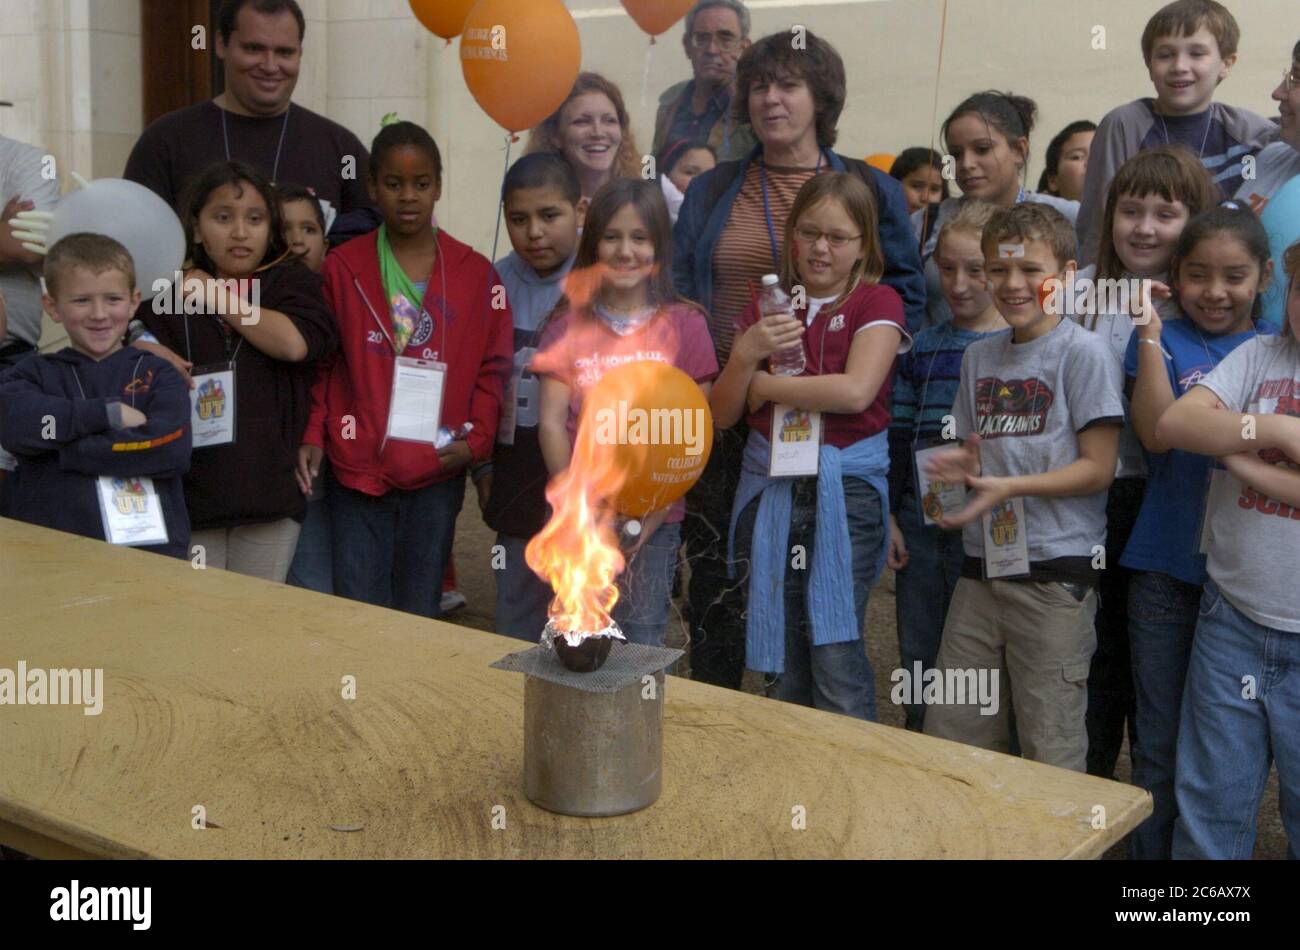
x,y
591,129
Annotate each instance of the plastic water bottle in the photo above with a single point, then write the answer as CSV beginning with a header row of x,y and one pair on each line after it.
x,y
772,300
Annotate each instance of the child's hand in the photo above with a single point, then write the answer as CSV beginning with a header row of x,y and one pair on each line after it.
x,y
309,459
1143,309
952,465
455,456
649,525
897,557
772,334
182,366
483,485
132,418
984,494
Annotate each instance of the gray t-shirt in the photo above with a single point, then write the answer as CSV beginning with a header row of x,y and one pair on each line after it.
x,y
22,174
1253,538
1027,401
1275,165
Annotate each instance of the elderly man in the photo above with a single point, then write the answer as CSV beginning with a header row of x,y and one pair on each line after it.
x,y
259,44
699,110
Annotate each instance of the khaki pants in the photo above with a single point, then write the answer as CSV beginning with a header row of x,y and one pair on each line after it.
x,y
1041,639
258,550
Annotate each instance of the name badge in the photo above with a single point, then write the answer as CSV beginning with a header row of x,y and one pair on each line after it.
x,y
1006,546
212,405
936,498
1214,497
796,442
415,410
131,510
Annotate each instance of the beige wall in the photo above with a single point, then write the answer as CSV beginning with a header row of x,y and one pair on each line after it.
x,y
72,68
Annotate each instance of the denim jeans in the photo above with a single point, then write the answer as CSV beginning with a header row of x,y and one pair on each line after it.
x,y
392,550
836,677
715,603
1110,678
1241,712
313,561
924,591
645,588
523,598
1162,618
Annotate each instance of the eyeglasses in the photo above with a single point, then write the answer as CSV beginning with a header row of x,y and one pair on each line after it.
x,y
813,235
727,42
1291,79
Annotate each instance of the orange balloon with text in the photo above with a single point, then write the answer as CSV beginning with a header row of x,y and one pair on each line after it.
x,y
656,16
443,18
520,59
657,424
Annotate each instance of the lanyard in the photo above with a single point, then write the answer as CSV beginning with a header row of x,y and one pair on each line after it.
x,y
767,207
925,389
275,169
225,335
135,373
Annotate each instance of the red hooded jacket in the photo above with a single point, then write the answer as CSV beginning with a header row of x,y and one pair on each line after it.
x,y
459,326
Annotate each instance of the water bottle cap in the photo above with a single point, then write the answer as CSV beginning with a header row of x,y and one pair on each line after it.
x,y
771,280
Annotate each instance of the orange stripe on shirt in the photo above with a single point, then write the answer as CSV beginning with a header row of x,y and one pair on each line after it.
x,y
150,444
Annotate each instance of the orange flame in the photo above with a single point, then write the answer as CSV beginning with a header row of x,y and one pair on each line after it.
x,y
578,551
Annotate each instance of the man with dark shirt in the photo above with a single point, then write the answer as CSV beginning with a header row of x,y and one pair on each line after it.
x,y
259,43
699,110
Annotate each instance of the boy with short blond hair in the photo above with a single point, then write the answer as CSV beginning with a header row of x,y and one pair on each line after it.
x,y
1039,413
101,432
1189,47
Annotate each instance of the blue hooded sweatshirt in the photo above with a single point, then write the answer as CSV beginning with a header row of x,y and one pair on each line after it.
x,y
61,415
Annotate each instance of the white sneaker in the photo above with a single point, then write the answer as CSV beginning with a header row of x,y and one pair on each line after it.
x,y
452,600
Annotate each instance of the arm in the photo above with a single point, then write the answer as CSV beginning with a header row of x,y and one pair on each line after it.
x,y
1198,422
552,424
269,330
1152,392
1275,481
691,220
160,447
748,350
1092,472
1105,157
495,369
870,359
33,422
903,270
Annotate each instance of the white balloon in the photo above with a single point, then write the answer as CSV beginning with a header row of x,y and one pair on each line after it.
x,y
129,213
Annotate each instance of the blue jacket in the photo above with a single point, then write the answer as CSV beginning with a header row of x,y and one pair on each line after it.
x,y
700,225
57,415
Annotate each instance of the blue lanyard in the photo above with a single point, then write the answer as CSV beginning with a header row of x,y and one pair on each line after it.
x,y
767,207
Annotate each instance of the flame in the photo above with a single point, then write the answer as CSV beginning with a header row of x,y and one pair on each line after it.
x,y
577,552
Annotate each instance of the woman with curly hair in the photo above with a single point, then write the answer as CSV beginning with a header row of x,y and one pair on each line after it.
x,y
592,131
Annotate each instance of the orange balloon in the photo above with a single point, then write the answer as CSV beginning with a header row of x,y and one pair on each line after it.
x,y
443,18
882,160
520,59
657,423
656,16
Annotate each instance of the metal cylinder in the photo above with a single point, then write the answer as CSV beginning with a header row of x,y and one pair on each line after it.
x,y
593,754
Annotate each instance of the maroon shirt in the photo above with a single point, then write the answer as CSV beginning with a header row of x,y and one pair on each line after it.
x,y
826,346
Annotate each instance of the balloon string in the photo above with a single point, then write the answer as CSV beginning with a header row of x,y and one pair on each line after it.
x,y
645,72
496,232
934,115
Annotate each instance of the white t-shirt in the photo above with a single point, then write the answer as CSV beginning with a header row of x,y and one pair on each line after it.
x,y
1254,538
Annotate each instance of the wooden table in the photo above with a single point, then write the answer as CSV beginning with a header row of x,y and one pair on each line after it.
x,y
226,692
